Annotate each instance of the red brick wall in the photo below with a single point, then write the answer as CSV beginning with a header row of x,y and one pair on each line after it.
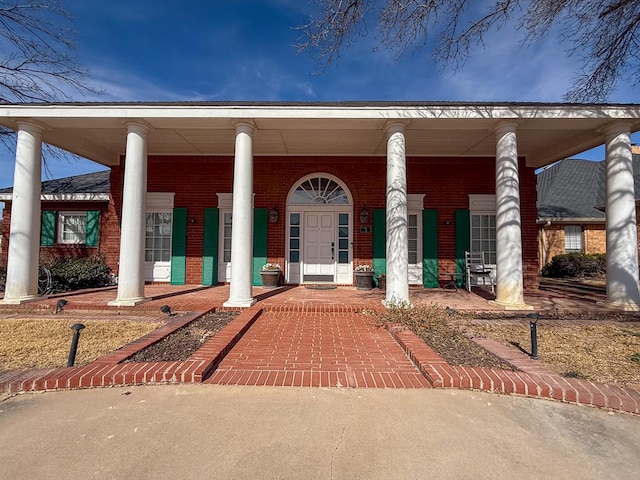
x,y
445,182
59,250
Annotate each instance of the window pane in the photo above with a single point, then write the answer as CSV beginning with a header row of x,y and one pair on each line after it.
x,y
343,256
343,232
343,244
295,231
413,257
295,219
294,256
294,243
343,219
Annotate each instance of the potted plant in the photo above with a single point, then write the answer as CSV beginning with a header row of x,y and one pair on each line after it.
x,y
270,275
363,275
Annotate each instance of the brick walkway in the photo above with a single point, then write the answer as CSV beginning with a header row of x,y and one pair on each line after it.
x,y
301,337
318,350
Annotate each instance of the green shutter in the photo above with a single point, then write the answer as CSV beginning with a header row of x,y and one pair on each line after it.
x,y
93,217
179,247
462,242
430,248
379,241
210,247
48,233
260,223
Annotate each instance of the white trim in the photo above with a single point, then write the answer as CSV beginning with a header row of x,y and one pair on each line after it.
x,y
60,227
343,271
63,197
482,203
415,201
160,201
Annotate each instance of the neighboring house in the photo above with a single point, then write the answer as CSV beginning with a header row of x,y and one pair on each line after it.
x,y
74,212
204,193
571,206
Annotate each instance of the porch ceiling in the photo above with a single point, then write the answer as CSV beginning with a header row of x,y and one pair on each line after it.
x,y
546,132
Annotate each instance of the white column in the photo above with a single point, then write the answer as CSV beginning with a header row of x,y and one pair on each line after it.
x,y
134,212
241,287
623,291
509,273
24,237
397,218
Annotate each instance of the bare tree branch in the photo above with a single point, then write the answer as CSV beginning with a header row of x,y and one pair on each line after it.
x,y
37,58
602,33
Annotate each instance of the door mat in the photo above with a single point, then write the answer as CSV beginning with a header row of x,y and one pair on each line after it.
x,y
321,287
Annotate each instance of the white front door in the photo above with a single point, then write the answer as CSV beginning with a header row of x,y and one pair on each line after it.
x,y
319,247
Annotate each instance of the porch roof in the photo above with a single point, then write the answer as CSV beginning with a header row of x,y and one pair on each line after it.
x,y
546,132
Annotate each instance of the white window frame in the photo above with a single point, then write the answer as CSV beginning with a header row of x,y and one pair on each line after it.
x,y
573,241
415,206
159,202
79,240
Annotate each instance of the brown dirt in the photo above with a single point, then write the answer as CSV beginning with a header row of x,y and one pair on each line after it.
x,y
443,331
182,343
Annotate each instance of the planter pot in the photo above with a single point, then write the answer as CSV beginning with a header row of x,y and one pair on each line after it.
x,y
382,282
270,278
364,280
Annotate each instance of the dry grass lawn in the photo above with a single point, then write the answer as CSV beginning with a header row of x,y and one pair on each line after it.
x,y
599,353
45,342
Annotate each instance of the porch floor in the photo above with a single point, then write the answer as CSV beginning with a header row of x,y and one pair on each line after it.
x,y
295,336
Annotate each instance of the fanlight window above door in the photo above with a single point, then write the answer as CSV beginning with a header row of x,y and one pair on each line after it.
x,y
319,191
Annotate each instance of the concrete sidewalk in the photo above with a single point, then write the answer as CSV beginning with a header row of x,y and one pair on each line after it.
x,y
213,431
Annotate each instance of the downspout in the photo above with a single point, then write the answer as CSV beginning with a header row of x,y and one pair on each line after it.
x,y
543,240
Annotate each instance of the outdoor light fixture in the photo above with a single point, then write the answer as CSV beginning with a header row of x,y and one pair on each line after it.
x,y
364,215
533,320
273,215
166,309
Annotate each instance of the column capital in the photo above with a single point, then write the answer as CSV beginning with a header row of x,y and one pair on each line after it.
x,y
395,126
31,126
505,126
616,128
245,126
139,126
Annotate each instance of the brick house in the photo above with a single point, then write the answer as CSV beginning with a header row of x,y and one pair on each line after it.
x,y
204,193
571,206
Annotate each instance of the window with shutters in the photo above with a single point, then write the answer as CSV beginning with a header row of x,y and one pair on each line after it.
x,y
72,227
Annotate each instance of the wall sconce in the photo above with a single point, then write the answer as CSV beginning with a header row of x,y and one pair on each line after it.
x,y
364,215
273,215
192,220
447,222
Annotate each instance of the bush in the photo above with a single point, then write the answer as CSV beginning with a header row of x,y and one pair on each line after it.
x,y
78,273
577,265
3,277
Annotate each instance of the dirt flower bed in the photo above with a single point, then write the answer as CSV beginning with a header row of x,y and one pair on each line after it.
x,y
182,343
443,331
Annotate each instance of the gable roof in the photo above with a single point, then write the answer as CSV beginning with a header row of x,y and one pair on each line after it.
x,y
576,189
89,186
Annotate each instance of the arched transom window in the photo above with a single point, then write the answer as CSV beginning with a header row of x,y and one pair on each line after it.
x,y
319,191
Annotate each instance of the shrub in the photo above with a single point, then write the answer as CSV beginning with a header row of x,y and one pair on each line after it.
x,y
78,273
3,277
576,265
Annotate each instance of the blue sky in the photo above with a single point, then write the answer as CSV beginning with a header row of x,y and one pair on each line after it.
x,y
244,50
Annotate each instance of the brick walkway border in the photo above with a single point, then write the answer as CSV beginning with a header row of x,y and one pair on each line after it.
x,y
532,379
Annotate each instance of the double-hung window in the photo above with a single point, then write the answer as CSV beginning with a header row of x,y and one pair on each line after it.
x,y
482,210
573,238
72,227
